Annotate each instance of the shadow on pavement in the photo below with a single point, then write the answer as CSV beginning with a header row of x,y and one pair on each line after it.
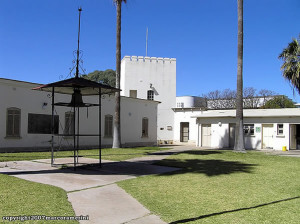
x,y
108,168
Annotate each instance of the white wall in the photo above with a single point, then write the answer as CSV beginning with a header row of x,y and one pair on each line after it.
x,y
220,128
190,101
157,74
183,116
19,94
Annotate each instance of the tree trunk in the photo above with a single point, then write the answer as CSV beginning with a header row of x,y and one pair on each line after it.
x,y
117,120
239,133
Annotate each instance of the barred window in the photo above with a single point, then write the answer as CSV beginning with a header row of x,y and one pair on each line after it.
x,y
279,129
13,122
145,127
108,128
249,129
150,95
69,123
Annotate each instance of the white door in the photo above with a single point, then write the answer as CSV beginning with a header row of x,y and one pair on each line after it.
x,y
206,135
293,139
267,131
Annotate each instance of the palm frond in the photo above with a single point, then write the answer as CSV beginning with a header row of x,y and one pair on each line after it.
x,y
291,64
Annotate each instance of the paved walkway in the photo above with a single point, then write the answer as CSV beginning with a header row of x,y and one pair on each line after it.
x,y
93,191
289,153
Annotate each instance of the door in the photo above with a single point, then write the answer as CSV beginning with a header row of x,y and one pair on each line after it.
x,y
293,136
267,132
206,135
231,135
184,131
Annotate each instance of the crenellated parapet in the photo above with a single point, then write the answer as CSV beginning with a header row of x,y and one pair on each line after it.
x,y
149,59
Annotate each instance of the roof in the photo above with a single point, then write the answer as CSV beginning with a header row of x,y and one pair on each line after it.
x,y
283,112
5,80
87,87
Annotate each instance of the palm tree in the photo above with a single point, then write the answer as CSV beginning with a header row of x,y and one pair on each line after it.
x,y
291,63
117,120
239,133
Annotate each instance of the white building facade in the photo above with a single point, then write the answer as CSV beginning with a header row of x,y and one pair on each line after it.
x,y
152,78
25,119
263,128
190,102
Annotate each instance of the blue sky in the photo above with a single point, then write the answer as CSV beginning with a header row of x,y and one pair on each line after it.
x,y
37,39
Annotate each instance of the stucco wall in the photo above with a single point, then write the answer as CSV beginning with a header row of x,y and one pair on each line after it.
x,y
19,94
183,116
220,128
220,134
157,74
190,101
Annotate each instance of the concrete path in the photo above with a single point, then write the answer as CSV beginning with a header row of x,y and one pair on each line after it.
x,y
92,190
289,153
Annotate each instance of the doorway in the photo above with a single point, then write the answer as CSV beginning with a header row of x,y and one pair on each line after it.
x,y
184,131
294,136
267,136
206,135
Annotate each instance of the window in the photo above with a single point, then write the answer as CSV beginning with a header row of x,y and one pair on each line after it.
x,y
69,123
13,122
150,95
249,129
180,105
108,128
133,93
279,129
145,127
41,123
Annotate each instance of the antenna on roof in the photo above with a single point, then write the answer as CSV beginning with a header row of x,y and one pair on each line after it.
x,y
77,59
147,42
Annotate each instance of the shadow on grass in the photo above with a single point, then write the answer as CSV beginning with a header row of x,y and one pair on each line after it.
x,y
230,211
207,167
107,168
191,152
203,152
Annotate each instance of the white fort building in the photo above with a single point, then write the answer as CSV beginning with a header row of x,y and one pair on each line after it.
x,y
151,114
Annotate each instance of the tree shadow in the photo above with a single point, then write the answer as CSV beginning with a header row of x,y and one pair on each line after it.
x,y
230,211
208,167
107,168
202,152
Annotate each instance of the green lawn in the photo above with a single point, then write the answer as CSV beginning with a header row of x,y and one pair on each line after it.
x,y
24,198
107,154
218,186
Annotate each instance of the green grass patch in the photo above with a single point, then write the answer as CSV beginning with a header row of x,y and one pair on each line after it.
x,y
24,198
107,154
218,186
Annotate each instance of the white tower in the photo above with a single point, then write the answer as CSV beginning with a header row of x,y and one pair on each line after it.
x,y
152,78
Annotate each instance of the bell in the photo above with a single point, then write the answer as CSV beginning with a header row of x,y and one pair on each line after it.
x,y
76,99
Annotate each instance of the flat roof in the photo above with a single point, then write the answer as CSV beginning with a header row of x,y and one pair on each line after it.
x,y
282,112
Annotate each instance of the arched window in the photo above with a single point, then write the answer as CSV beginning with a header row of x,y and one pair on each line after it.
x,y
108,127
145,127
13,122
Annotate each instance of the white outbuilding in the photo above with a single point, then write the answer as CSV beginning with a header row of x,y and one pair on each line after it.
x,y
263,128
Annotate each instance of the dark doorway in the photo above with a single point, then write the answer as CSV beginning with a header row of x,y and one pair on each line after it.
x,y
184,131
294,136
